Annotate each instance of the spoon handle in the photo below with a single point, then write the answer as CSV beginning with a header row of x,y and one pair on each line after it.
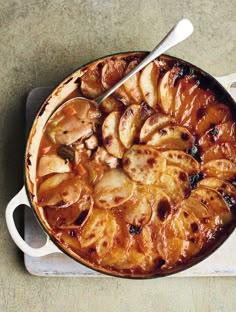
x,y
182,30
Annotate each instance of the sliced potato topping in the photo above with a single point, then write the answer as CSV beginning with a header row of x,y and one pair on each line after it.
x,y
143,164
94,227
130,124
183,160
113,189
220,186
110,135
111,104
112,72
172,137
154,123
215,203
149,82
132,84
90,83
174,181
221,168
161,204
137,210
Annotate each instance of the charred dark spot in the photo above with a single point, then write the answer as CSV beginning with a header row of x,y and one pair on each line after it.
x,y
126,162
230,201
205,220
65,132
186,214
163,132
78,81
117,199
151,162
184,70
193,240
183,176
100,65
195,152
67,81
214,132
72,233
108,140
91,250
136,140
66,152
194,179
185,136
187,192
82,217
160,263
134,230
201,112
194,227
163,209
146,111
105,244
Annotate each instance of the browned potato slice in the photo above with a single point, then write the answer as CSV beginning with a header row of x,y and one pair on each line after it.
x,y
111,104
152,124
166,90
113,189
110,135
182,160
221,168
160,203
218,185
137,211
132,84
52,182
215,204
175,183
130,124
90,83
94,228
172,137
143,164
52,164
106,242
112,72
148,84
121,95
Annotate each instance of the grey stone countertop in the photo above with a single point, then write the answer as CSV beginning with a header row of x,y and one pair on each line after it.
x,y
43,41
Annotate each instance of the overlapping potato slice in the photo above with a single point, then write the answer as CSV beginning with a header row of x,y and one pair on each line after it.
x,y
90,83
130,124
132,84
121,95
161,204
154,123
183,160
148,84
52,164
174,181
225,132
143,164
187,91
220,186
110,135
112,72
215,204
94,227
220,151
172,137
221,168
198,107
111,104
215,114
137,210
167,89
107,240
59,192
113,189
172,243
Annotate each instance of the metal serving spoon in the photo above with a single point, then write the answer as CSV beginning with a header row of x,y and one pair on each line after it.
x,y
181,31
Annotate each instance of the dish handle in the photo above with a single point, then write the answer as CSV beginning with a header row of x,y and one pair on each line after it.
x,y
227,80
21,199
